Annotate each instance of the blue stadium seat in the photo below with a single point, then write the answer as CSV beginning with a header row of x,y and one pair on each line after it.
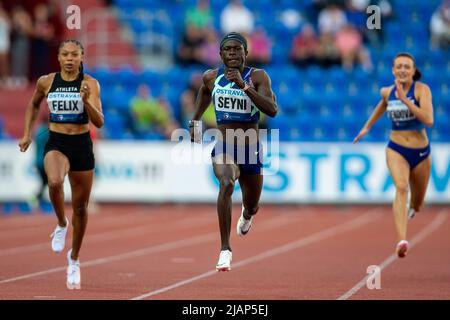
x,y
315,104
337,75
287,102
126,76
283,123
120,98
114,126
103,75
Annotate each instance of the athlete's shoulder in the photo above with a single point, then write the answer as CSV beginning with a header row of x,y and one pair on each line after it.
x,y
46,78
421,86
210,74
260,76
258,71
90,79
44,82
386,91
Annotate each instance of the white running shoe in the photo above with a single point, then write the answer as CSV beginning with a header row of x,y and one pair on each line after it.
x,y
243,225
224,263
73,272
411,213
59,237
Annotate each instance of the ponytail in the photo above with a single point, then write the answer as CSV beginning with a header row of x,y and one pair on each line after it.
x,y
417,75
81,67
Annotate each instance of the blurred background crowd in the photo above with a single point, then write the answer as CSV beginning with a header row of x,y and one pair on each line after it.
x,y
326,66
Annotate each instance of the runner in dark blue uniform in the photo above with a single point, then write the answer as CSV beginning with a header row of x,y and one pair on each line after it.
x,y
409,106
239,93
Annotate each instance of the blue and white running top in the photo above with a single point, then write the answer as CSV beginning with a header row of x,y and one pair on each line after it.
x,y
64,101
402,118
230,102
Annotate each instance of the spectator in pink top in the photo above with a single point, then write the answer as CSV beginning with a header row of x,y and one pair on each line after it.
x,y
305,47
209,50
260,48
348,42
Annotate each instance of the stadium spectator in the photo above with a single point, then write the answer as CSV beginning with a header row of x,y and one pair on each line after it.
x,y
22,29
260,48
43,34
150,115
189,47
235,17
187,102
328,53
200,16
291,19
305,47
348,42
440,26
331,19
209,49
5,26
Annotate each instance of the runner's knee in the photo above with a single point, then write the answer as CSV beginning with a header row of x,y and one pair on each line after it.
x,y
402,187
55,183
226,185
80,209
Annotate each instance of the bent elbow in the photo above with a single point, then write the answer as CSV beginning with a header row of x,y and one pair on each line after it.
x,y
274,112
99,124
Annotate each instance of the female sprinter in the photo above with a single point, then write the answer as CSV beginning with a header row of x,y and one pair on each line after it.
x,y
239,93
409,107
73,99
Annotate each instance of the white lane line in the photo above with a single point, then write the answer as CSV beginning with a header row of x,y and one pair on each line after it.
x,y
120,233
318,236
429,229
108,220
132,254
152,249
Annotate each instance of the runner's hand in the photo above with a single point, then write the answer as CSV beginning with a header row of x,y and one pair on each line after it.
x,y
362,133
234,75
85,91
24,144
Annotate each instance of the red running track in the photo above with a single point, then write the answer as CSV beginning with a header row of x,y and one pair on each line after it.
x,y
169,252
